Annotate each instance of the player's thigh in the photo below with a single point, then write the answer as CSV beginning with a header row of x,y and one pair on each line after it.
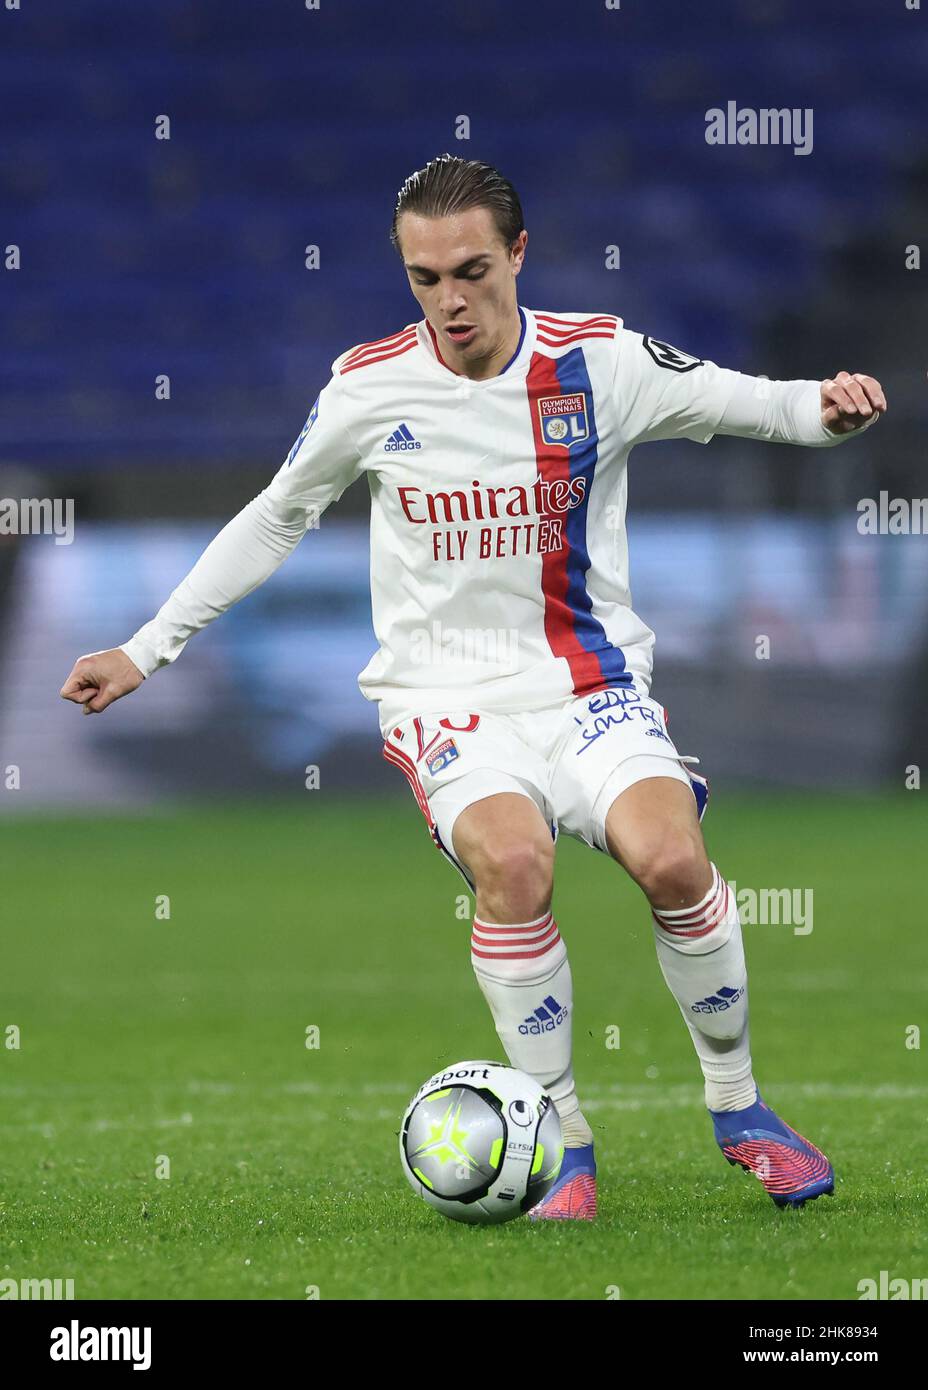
x,y
615,740
459,761
504,836
651,827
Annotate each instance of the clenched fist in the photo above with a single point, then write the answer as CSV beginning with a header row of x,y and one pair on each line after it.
x,y
850,402
100,678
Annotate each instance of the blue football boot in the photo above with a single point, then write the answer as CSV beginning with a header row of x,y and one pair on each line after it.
x,y
791,1169
573,1196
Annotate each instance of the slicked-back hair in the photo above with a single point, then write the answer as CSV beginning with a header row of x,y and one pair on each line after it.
x,y
449,184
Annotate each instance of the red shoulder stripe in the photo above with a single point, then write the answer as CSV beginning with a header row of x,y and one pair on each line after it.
x,y
371,357
379,342
550,324
583,337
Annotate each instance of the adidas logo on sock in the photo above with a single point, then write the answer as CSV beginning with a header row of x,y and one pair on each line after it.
x,y
545,1018
401,439
715,1003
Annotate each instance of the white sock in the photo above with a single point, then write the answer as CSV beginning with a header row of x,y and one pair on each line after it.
x,y
524,975
701,955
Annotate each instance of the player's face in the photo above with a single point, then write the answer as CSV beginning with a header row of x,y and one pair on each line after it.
x,y
464,278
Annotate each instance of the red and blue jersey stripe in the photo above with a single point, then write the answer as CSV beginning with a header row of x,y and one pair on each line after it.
x,y
570,627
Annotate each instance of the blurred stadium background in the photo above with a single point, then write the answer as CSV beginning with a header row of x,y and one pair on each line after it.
x,y
289,128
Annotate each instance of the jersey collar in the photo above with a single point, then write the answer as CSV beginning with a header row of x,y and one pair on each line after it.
x,y
516,366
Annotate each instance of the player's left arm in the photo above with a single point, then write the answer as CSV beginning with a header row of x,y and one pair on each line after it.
x,y
813,413
663,393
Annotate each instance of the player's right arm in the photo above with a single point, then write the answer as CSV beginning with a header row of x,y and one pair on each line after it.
x,y
318,469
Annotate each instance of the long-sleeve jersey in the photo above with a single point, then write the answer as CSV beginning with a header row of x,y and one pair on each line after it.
x,y
499,559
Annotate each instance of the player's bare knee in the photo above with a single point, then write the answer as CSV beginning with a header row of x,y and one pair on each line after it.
x,y
675,872
516,875
523,860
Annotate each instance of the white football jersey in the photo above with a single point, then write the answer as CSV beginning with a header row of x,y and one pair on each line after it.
x,y
499,562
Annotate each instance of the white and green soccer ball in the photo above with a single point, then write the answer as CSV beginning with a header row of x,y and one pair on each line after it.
x,y
481,1142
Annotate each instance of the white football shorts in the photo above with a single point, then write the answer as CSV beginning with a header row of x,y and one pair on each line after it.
x,y
572,760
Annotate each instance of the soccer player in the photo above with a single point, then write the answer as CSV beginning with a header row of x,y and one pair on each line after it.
x,y
512,676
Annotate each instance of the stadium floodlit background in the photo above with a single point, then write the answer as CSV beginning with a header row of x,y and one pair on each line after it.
x,y
143,257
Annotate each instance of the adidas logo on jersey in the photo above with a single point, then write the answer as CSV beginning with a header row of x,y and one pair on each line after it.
x,y
716,1003
544,1019
401,439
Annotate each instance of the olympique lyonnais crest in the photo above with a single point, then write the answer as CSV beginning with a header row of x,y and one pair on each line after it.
x,y
441,756
563,419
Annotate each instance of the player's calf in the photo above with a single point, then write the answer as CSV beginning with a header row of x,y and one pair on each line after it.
x,y
518,955
653,830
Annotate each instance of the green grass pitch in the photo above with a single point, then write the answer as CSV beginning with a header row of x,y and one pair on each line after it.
x,y
144,1039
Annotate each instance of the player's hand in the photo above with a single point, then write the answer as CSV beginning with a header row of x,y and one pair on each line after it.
x,y
100,678
850,402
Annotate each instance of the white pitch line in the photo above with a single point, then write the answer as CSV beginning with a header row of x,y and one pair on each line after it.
x,y
631,1098
646,1092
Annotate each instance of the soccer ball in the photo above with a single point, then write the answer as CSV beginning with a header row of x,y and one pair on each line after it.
x,y
481,1142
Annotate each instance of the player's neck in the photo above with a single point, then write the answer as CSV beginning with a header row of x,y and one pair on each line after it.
x,y
494,364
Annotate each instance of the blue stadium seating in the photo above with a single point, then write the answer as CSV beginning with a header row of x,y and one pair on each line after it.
x,y
141,256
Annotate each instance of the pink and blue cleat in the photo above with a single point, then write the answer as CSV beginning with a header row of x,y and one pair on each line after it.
x,y
573,1196
791,1170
